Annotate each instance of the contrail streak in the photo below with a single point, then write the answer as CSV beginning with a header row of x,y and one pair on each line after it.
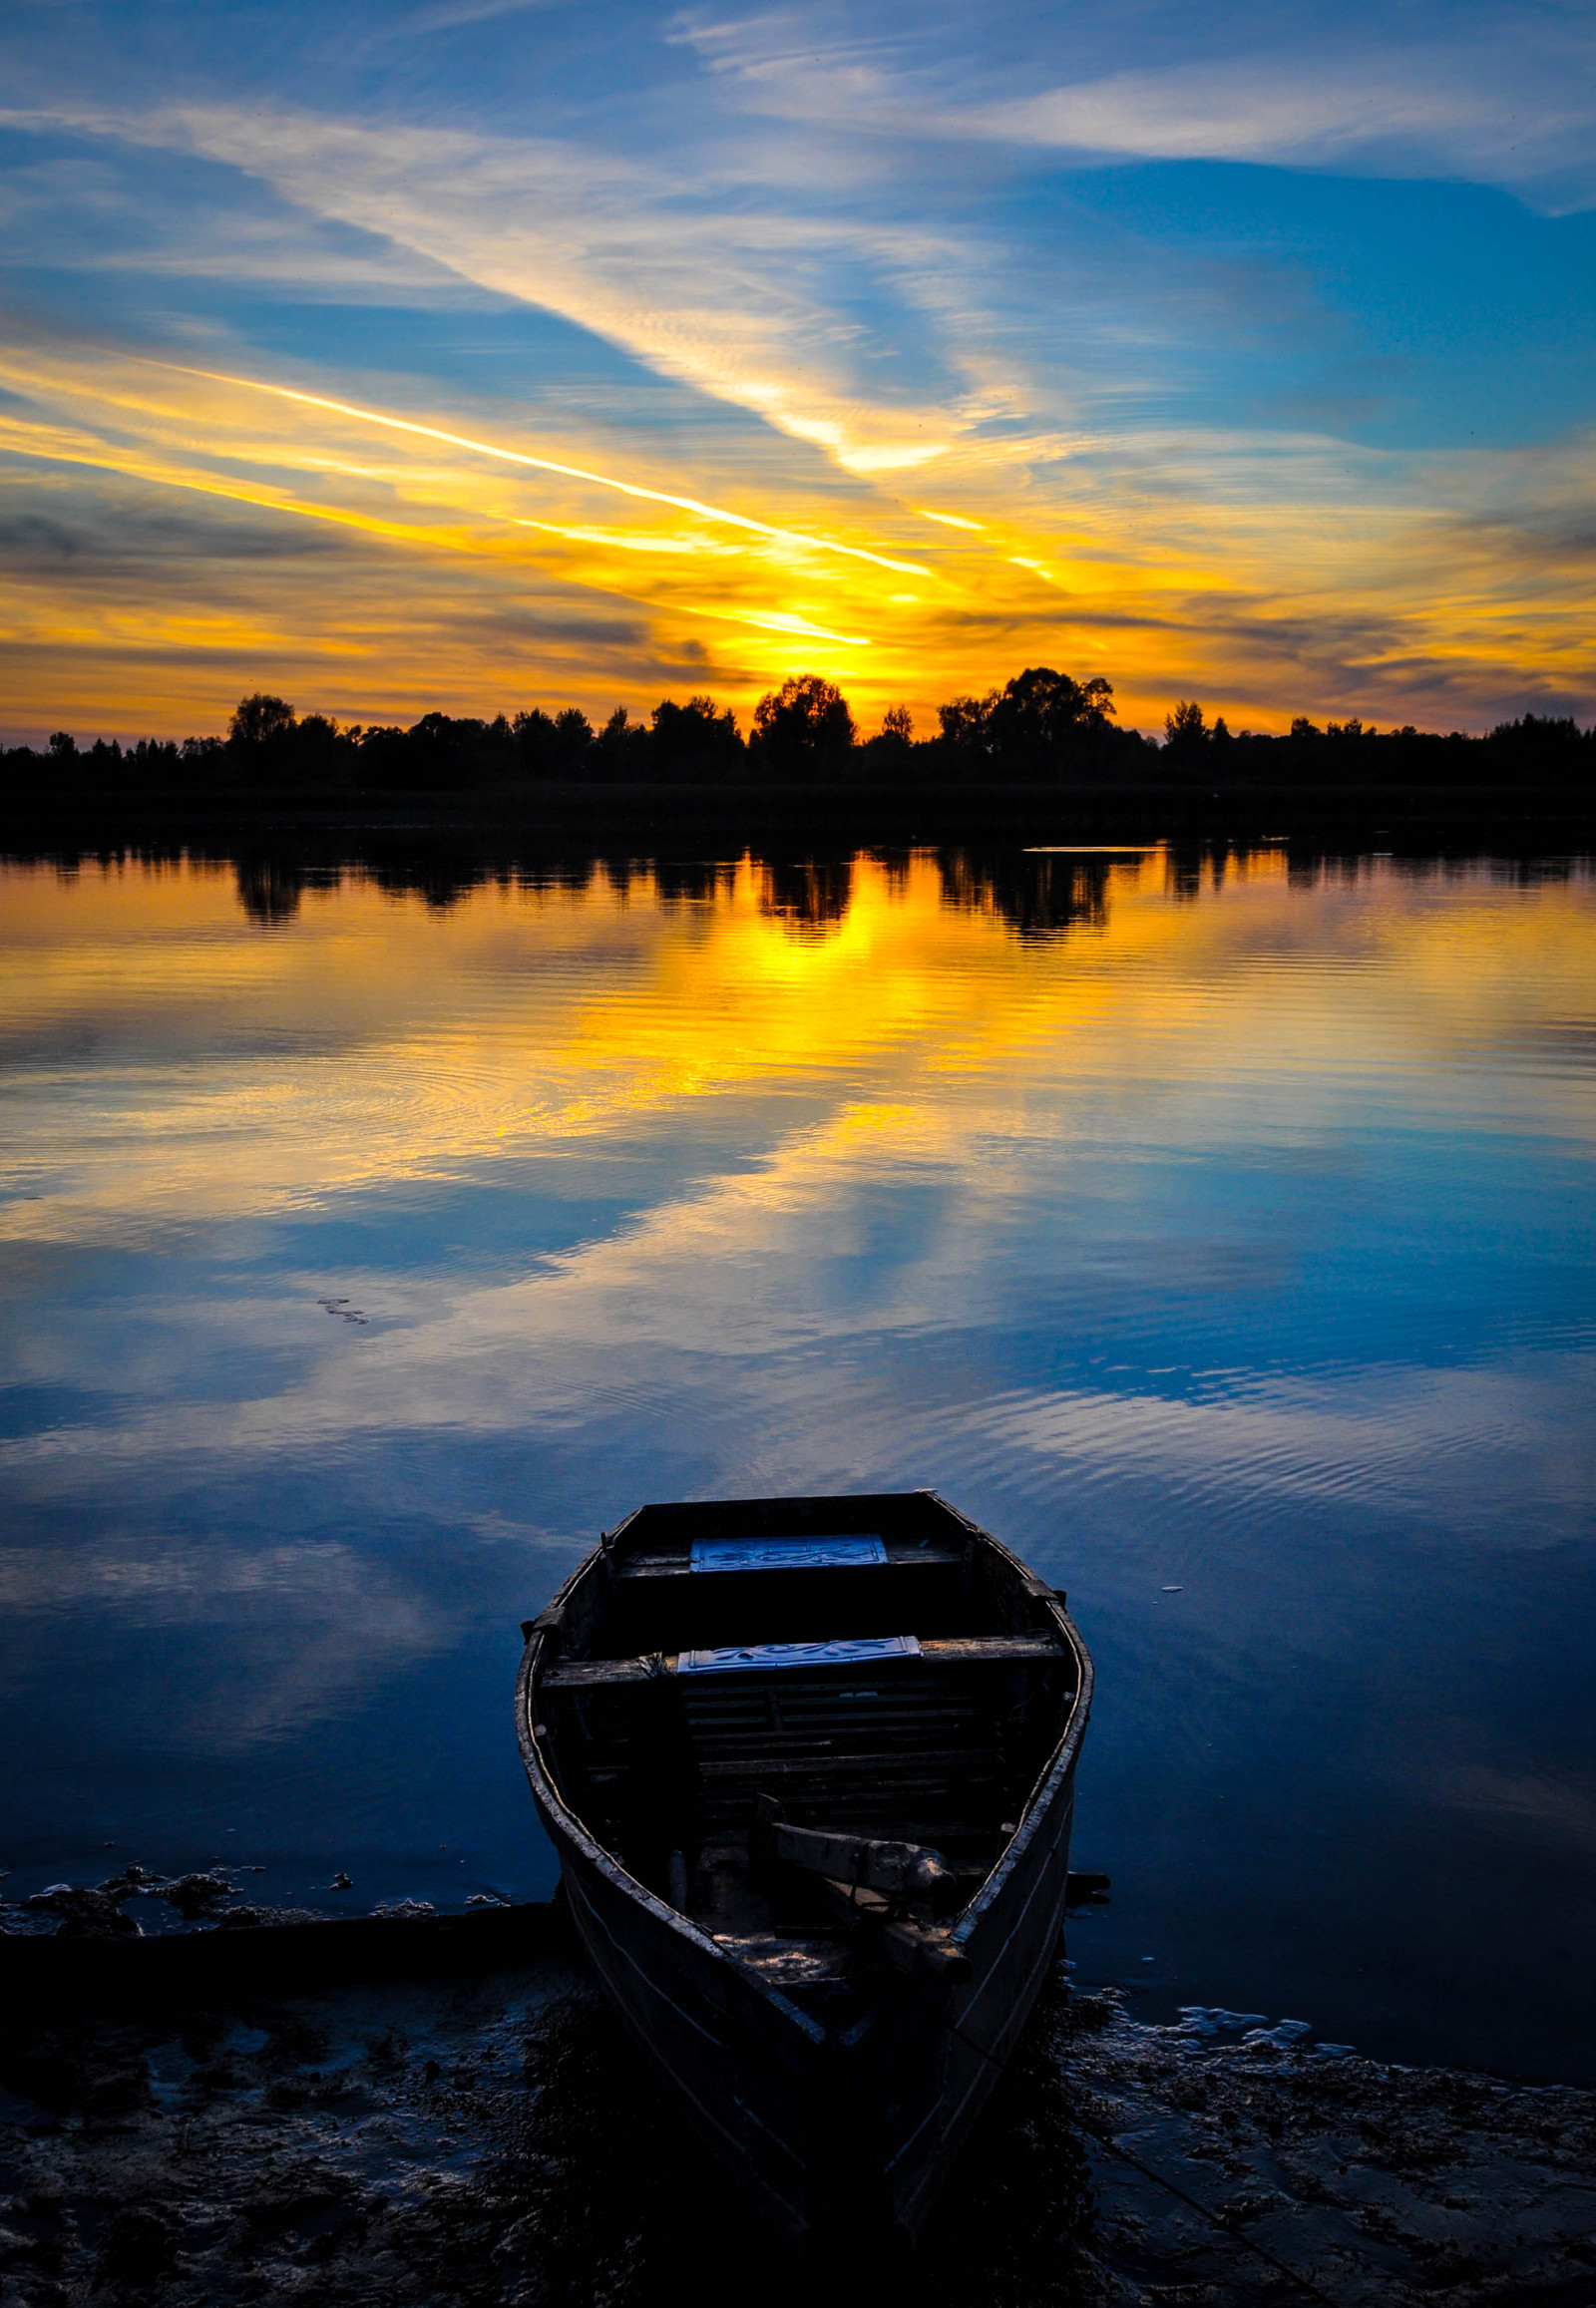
x,y
549,465
780,622
60,452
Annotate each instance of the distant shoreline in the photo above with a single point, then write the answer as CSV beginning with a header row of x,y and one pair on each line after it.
x,y
1550,818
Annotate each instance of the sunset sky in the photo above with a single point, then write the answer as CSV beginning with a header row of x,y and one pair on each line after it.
x,y
482,353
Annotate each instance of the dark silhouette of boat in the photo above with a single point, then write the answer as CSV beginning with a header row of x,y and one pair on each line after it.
x,y
809,1765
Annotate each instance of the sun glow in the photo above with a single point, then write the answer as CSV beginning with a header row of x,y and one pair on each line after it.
x,y
428,561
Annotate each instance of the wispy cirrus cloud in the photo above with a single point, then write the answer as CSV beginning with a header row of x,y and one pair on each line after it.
x,y
972,300
1508,97
647,258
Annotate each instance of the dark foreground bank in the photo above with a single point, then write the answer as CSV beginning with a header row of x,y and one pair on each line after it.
x,y
491,2136
521,819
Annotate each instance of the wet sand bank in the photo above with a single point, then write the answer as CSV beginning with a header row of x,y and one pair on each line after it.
x,y
495,2139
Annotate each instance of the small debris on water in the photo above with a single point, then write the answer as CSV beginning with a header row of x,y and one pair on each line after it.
x,y
82,1913
195,1898
1174,1590
1285,2035
1203,2020
343,1310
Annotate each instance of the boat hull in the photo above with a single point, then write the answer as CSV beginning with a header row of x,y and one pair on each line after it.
x,y
828,2135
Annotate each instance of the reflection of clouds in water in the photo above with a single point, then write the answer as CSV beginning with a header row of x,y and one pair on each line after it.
x,y
1460,1445
278,1636
377,1044
747,1289
1557,1809
947,1135
318,1622
170,1581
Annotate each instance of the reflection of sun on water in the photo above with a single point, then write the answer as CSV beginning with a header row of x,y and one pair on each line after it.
x,y
872,1011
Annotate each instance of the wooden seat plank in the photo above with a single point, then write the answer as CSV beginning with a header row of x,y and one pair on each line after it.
x,y
935,1651
902,1555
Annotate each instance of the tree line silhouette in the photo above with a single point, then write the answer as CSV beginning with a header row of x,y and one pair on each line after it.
x,y
1042,728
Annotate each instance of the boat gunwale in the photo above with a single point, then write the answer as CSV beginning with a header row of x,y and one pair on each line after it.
x,y
1044,1792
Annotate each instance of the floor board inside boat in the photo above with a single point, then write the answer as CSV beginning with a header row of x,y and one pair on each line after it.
x,y
722,1898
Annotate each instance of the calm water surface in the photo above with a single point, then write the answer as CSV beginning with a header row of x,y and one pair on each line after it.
x,y
1221,1239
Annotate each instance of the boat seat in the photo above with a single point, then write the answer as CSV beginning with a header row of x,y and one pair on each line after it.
x,y
724,1590
928,1744
766,1558
934,1651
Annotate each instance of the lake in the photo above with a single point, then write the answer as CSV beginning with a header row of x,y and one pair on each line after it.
x,y
1217,1229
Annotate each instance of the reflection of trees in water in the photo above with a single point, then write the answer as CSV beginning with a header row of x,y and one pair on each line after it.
x,y
693,881
269,889
1037,893
812,896
1191,867
438,881
1183,871
571,877
895,866
269,885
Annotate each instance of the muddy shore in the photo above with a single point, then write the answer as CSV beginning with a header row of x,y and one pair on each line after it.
x,y
493,2138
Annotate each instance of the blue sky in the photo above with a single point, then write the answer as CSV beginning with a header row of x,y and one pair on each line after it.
x,y
1246,353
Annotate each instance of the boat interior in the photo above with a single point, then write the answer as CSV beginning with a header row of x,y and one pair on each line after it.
x,y
739,1700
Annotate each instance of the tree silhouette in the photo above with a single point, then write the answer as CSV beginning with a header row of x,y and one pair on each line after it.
x,y
695,739
889,756
804,729
573,736
536,741
258,719
1041,716
1041,723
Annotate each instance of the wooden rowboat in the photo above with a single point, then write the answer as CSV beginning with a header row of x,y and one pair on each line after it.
x,y
809,1765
